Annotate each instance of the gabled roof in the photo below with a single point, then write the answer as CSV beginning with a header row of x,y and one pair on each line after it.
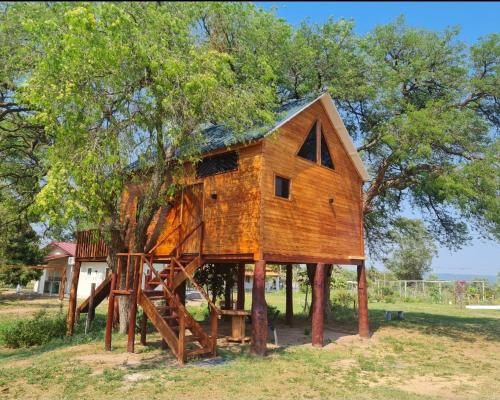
x,y
67,249
219,137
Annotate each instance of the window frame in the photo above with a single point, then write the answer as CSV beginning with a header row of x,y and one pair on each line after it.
x,y
319,130
213,155
278,175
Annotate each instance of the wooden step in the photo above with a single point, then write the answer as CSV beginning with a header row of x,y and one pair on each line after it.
x,y
152,292
163,308
191,339
169,317
198,352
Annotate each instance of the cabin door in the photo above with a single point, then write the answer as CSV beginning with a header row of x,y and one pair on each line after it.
x,y
191,217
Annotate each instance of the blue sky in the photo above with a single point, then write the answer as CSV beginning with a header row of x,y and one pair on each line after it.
x,y
475,19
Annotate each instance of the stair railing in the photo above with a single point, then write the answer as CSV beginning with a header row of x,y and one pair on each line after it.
x,y
215,312
198,287
184,316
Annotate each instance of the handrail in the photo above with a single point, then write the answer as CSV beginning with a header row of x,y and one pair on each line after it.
x,y
198,287
165,238
165,287
187,236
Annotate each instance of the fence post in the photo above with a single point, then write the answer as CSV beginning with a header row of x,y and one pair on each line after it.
x,y
405,288
90,310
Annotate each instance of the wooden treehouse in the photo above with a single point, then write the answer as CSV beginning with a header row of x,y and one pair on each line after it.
x,y
291,194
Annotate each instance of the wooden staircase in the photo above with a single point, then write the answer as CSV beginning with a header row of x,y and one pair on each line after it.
x,y
155,292
183,334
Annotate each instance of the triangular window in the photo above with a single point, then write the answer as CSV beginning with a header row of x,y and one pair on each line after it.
x,y
326,158
308,149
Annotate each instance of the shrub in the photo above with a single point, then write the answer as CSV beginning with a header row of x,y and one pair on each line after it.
x,y
40,329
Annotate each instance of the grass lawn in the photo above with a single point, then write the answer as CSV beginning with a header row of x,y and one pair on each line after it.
x,y
437,352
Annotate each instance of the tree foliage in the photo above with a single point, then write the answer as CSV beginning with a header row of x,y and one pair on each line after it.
x,y
19,249
413,250
114,83
423,109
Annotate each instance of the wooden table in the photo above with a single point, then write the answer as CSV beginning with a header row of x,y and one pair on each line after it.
x,y
237,325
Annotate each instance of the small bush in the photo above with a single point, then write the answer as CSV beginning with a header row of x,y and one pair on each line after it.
x,y
40,329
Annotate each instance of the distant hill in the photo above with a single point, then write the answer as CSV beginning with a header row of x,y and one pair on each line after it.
x,y
466,277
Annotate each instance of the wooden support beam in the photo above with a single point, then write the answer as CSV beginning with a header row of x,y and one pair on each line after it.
x,y
289,295
318,313
240,301
133,303
228,289
70,320
63,284
363,326
90,311
111,312
144,325
259,310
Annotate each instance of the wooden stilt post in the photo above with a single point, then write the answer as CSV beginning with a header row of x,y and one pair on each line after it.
x,y
318,314
90,311
259,310
228,288
133,305
289,295
62,287
241,287
70,321
111,312
363,328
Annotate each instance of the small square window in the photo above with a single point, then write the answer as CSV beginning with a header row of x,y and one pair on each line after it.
x,y
89,271
282,187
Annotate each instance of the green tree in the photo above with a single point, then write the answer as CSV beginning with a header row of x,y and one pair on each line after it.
x,y
19,249
423,109
126,83
413,250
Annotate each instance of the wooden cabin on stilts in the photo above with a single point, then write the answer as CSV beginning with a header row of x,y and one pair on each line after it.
x,y
288,194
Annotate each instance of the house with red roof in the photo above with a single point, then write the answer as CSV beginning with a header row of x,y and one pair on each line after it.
x,y
58,271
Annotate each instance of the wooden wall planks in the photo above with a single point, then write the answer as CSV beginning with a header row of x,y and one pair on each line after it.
x,y
246,217
308,224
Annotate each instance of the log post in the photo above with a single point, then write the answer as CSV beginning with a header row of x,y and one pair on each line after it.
x,y
133,305
70,321
241,287
214,321
111,312
62,287
90,316
259,310
289,295
318,314
228,288
363,327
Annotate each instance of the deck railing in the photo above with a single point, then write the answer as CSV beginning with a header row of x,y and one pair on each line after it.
x,y
89,244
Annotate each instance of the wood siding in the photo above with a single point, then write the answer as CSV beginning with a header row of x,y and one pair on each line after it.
x,y
307,224
231,220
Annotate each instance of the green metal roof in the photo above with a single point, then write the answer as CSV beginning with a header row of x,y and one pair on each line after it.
x,y
219,137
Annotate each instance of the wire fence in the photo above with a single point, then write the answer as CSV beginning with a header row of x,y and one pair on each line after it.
x,y
458,292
